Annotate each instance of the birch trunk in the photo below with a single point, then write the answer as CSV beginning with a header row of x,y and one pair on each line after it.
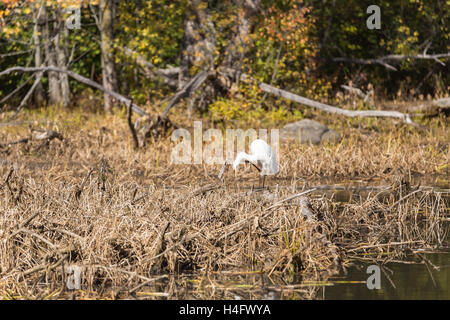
x,y
39,95
107,55
61,44
51,59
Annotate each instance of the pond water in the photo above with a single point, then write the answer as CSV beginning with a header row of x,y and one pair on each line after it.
x,y
412,279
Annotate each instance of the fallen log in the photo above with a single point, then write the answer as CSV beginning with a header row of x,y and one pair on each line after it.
x,y
48,135
325,107
79,78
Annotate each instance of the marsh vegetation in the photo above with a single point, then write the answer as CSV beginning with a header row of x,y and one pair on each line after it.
x,y
142,227
91,92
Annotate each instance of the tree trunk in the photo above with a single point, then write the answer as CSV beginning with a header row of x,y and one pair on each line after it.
x,y
51,59
61,44
39,95
107,55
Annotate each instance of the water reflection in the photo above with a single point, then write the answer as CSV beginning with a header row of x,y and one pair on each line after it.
x,y
411,281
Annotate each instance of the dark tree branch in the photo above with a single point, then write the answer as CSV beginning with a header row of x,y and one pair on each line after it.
x,y
186,91
6,144
131,126
29,93
169,75
15,91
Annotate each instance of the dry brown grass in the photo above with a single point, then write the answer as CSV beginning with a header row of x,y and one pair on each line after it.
x,y
132,217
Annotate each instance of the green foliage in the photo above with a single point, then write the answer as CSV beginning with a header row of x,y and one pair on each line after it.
x,y
291,45
153,29
407,28
283,49
249,107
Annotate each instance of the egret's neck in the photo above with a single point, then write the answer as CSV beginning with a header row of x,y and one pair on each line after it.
x,y
243,156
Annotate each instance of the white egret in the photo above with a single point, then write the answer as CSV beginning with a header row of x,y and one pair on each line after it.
x,y
263,155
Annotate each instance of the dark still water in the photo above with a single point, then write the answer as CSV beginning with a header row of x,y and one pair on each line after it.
x,y
411,281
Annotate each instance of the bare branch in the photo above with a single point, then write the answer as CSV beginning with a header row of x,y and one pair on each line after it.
x,y
79,78
395,58
186,91
11,54
366,61
15,91
29,93
169,74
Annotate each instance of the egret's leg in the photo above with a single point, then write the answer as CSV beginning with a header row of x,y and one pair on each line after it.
x,y
263,180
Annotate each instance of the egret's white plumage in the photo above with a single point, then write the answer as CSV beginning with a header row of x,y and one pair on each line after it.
x,y
262,154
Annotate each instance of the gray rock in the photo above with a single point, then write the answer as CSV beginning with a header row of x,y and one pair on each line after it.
x,y
309,131
331,136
